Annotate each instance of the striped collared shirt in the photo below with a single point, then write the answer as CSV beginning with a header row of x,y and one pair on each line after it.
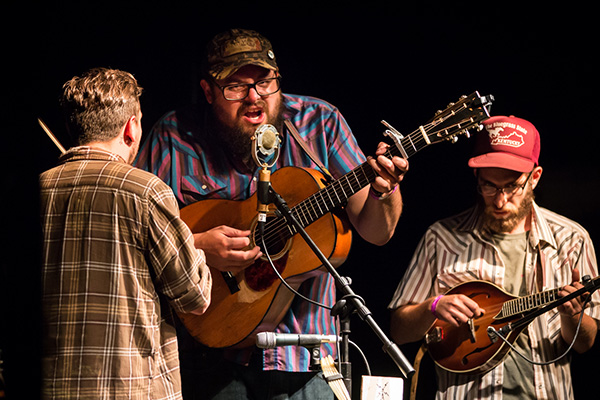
x,y
180,151
458,249
115,256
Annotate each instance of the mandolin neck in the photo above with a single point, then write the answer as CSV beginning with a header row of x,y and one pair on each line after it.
x,y
528,303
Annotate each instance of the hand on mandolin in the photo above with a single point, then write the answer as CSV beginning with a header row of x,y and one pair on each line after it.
x,y
457,309
573,307
226,248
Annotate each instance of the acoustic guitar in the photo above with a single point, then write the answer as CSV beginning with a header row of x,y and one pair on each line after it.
x,y
474,347
253,301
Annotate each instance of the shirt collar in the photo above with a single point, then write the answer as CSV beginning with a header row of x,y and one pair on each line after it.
x,y
88,153
540,233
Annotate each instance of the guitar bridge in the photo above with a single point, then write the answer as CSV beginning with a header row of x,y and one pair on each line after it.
x,y
434,336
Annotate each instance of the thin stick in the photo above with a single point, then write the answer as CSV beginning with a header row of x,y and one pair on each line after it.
x,y
49,133
336,383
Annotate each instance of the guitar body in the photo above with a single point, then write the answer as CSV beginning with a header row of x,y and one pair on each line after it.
x,y
453,349
253,300
259,300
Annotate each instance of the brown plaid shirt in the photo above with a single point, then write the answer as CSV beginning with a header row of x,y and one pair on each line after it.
x,y
115,256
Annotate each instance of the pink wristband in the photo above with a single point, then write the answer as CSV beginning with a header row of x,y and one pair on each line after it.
x,y
434,305
381,196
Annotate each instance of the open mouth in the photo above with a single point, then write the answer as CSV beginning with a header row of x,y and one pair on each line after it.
x,y
255,116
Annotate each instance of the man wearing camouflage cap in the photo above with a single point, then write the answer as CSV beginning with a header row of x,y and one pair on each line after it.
x,y
205,152
508,240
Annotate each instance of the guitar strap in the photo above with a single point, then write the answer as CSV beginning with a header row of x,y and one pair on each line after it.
x,y
417,365
306,149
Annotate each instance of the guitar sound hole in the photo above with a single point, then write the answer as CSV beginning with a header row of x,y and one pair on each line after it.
x,y
276,236
260,275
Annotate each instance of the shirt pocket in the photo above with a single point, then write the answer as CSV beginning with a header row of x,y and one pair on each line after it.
x,y
449,279
195,188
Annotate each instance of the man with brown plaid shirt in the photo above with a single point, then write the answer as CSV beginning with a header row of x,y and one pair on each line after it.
x,y
116,255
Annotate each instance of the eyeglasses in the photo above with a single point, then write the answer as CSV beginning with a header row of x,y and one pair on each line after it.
x,y
239,91
489,190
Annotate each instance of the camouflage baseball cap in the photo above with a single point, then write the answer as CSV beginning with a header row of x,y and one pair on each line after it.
x,y
229,51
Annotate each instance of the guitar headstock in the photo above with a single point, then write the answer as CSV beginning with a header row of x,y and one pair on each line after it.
x,y
468,112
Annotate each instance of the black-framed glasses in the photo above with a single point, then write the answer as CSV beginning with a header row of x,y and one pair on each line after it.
x,y
239,91
489,190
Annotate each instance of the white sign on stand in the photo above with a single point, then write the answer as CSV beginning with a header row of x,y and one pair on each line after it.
x,y
381,388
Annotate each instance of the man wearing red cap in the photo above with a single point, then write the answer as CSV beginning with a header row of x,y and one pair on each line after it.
x,y
508,240
205,152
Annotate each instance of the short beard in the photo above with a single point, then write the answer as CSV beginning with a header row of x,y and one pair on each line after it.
x,y
237,141
508,224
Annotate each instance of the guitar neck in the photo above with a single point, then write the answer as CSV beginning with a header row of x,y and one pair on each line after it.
x,y
468,112
340,190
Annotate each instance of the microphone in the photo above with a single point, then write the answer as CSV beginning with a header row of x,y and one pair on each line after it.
x,y
270,340
265,142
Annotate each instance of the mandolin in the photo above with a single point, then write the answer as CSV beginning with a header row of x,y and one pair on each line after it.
x,y
474,347
253,301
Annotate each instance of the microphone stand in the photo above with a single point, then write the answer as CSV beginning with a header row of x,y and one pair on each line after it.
x,y
350,302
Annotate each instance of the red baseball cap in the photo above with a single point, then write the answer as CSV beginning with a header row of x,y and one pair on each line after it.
x,y
507,142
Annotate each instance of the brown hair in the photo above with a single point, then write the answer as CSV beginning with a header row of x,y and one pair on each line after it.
x,y
98,103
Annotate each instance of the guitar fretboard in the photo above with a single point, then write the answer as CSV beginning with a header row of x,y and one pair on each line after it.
x,y
340,190
469,111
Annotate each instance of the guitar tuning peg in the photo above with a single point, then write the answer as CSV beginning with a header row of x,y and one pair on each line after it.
x,y
451,105
467,133
454,139
479,127
438,112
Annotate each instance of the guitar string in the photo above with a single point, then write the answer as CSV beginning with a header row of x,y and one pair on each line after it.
x,y
417,135
278,226
303,208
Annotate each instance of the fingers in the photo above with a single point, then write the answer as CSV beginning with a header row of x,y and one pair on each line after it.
x,y
390,171
226,248
576,305
457,309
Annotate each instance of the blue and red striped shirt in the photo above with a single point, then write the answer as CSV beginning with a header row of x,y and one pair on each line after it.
x,y
180,151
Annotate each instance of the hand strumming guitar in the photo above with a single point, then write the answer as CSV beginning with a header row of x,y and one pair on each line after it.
x,y
226,248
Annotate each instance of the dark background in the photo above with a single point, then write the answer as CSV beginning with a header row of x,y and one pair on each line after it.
x,y
372,60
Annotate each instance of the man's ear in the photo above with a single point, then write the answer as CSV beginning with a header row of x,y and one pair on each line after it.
x,y
536,175
129,131
207,91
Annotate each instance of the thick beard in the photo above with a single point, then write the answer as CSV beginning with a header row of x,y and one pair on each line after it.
x,y
507,224
237,140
